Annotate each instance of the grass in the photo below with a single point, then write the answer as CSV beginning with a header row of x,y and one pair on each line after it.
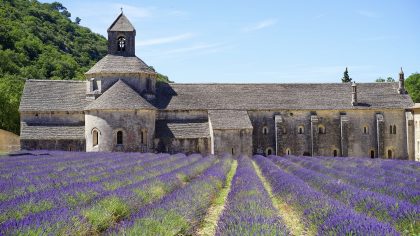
x,y
26,209
209,224
291,217
160,223
150,194
106,212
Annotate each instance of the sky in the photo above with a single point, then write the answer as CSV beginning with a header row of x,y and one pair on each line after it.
x,y
242,41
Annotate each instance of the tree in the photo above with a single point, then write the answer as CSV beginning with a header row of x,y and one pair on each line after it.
x,y
58,6
412,85
77,20
66,13
346,78
380,80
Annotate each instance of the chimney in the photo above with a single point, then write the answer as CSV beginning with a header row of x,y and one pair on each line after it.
x,y
354,94
401,88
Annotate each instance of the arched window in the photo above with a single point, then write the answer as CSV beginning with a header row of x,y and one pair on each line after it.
x,y
121,44
365,129
288,152
95,137
394,129
321,129
233,153
372,154
265,130
301,130
389,154
390,129
335,153
268,151
119,137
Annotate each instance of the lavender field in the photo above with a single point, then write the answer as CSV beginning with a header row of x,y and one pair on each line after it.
x,y
70,193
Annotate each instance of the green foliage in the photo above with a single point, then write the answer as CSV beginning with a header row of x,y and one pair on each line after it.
x,y
161,78
106,212
412,85
346,78
39,41
382,80
147,195
169,223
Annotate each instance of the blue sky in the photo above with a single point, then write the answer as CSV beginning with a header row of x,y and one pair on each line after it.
x,y
267,41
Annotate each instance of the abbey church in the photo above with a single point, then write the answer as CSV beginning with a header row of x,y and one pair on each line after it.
x,y
121,107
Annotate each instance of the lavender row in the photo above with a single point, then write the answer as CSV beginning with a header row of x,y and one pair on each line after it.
x,y
64,210
58,198
76,187
397,188
320,213
249,209
13,188
401,214
374,168
81,221
407,168
182,210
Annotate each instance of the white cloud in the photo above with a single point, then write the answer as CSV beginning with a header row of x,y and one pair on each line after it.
x,y
261,25
196,47
368,14
164,40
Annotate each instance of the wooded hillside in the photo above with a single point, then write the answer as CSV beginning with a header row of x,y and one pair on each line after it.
x,y
39,41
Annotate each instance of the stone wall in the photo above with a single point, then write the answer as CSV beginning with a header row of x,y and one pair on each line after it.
x,y
183,115
60,144
188,146
131,123
417,134
329,133
56,117
137,81
8,141
235,142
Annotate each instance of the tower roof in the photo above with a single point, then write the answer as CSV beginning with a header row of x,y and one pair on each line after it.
x,y
112,64
119,97
121,24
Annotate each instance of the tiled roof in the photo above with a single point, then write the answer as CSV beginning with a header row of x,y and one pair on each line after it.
x,y
47,132
53,95
113,64
280,96
119,97
182,130
229,119
121,24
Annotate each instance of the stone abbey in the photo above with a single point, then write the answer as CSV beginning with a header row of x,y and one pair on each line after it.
x,y
121,107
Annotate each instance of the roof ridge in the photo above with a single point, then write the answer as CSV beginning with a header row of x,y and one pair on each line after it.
x,y
61,80
124,20
338,83
108,100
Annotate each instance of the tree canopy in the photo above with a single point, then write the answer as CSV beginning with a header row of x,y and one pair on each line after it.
x,y
39,41
412,85
381,80
346,78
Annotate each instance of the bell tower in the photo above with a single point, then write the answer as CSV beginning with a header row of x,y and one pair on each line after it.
x,y
121,37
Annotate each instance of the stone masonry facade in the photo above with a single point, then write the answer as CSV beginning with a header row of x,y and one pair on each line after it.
x,y
121,107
